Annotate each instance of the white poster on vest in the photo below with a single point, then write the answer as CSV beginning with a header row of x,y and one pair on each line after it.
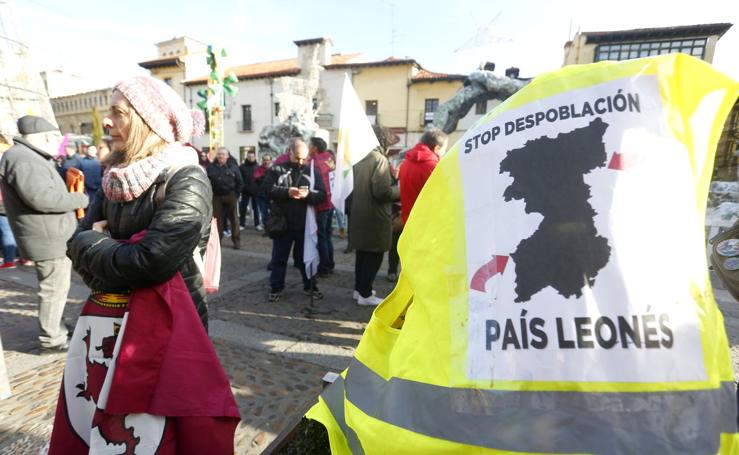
x,y
583,241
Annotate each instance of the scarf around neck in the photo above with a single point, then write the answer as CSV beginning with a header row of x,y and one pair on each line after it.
x,y
126,183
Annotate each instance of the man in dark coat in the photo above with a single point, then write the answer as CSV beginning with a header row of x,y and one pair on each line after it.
x,y
370,224
225,178
90,167
41,215
289,188
70,159
249,190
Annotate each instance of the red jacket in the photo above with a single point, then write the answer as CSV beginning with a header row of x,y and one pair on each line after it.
x,y
325,165
419,163
284,158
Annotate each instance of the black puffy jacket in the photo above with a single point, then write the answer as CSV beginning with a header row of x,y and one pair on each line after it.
x,y
225,179
176,226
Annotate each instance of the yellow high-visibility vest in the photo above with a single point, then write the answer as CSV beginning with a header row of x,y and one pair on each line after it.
x,y
554,294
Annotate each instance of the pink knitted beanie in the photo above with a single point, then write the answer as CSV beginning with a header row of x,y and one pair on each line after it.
x,y
162,109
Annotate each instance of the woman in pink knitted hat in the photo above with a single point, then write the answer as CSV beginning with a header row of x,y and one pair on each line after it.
x,y
140,249
148,125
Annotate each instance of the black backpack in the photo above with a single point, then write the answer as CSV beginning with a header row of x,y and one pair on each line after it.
x,y
276,224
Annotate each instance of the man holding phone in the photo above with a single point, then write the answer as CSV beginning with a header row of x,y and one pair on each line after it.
x,y
288,186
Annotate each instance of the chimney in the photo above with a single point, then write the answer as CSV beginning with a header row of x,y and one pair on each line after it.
x,y
512,72
306,48
325,51
489,66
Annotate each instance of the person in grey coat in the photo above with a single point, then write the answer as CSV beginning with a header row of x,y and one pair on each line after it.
x,y
41,215
370,223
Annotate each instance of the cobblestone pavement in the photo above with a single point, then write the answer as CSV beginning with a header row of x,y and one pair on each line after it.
x,y
275,354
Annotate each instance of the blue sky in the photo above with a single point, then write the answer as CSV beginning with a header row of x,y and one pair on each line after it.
x,y
102,40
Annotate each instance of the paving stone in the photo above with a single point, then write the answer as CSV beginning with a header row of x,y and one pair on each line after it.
x,y
269,389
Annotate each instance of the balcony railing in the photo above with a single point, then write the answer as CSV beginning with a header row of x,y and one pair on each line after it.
x,y
244,127
325,120
426,118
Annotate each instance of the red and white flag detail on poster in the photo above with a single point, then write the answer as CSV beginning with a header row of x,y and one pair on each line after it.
x,y
144,379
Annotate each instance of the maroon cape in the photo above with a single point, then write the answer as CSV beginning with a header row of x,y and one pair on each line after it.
x,y
167,386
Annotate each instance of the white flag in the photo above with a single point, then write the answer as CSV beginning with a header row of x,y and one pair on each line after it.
x,y
310,237
356,139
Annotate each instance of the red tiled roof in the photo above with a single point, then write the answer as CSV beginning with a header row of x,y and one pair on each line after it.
x,y
275,68
285,67
391,61
679,31
159,63
429,76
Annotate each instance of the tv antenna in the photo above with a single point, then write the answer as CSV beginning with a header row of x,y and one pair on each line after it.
x,y
393,31
483,36
394,35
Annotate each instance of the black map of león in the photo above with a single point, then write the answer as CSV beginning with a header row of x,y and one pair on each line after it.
x,y
566,251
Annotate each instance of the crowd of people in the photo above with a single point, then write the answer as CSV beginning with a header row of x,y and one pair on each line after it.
x,y
138,245
143,216
301,179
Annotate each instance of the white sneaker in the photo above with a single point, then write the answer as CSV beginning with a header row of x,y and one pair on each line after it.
x,y
372,300
356,295
227,233
260,228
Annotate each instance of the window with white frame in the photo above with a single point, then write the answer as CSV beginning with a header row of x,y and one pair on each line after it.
x,y
430,106
627,51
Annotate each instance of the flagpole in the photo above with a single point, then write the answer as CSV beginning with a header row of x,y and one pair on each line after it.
x,y
311,310
312,286
311,267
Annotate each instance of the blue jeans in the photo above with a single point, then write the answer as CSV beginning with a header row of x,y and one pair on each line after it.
x,y
280,252
340,219
325,245
9,245
243,203
263,206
